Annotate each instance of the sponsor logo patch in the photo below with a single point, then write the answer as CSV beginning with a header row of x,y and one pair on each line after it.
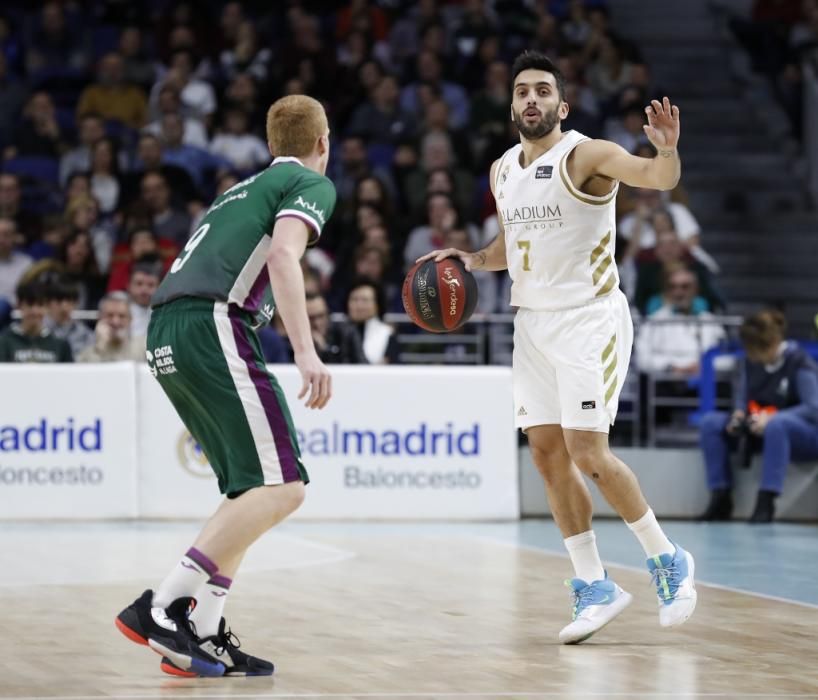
x,y
543,172
588,405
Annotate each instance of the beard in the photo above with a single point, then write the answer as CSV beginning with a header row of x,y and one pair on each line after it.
x,y
543,127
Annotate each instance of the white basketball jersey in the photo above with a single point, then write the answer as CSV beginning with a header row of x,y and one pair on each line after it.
x,y
559,241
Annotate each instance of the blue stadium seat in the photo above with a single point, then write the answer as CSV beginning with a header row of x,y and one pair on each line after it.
x,y
380,155
105,39
34,167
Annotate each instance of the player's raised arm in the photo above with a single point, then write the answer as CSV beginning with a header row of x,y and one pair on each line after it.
x,y
611,160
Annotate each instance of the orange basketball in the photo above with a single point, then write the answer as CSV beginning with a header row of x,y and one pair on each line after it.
x,y
439,296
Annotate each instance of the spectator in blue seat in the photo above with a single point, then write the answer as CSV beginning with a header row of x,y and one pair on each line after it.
x,y
430,71
39,133
150,159
78,160
199,163
381,119
54,45
777,404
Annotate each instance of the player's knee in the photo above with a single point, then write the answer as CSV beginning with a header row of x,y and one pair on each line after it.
x,y
295,495
590,458
284,499
550,460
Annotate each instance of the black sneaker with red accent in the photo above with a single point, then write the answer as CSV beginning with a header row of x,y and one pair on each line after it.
x,y
168,632
223,646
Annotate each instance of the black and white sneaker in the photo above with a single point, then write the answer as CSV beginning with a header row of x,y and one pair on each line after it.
x,y
168,632
223,646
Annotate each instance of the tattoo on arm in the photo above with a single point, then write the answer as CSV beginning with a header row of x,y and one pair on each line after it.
x,y
667,153
479,259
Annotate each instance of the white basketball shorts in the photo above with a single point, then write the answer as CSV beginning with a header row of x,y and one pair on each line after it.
x,y
569,366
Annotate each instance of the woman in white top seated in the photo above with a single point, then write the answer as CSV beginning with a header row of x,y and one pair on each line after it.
x,y
364,308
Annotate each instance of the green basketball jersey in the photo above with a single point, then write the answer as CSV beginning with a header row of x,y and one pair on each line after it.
x,y
225,258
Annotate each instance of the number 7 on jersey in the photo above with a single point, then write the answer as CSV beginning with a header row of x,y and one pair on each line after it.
x,y
525,246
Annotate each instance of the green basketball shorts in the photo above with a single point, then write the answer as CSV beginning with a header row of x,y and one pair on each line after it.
x,y
208,360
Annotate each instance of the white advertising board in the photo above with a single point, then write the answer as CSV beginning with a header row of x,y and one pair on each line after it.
x,y
394,443
67,441
175,480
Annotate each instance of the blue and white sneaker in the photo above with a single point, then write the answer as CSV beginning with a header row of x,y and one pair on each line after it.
x,y
672,575
595,605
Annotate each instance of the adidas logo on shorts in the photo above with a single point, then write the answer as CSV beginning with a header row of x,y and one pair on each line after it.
x,y
522,411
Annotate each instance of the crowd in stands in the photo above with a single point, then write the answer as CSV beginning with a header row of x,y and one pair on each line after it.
x,y
780,37
120,122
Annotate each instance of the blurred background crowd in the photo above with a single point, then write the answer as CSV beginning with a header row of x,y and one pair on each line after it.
x,y
120,122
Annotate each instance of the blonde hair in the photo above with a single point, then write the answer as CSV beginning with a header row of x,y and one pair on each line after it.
x,y
76,203
294,124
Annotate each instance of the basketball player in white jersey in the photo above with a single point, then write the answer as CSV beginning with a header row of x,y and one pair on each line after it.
x,y
555,196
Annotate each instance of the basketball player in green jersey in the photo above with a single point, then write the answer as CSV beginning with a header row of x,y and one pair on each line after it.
x,y
206,356
555,194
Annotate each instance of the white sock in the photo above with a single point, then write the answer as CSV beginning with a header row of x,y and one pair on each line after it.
x,y
210,600
585,557
651,536
185,579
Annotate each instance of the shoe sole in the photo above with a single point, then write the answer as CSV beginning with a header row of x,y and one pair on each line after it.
x,y
167,666
186,662
617,607
129,632
691,571
202,668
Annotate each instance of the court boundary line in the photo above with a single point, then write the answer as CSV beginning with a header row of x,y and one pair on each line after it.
x,y
502,694
628,567
329,553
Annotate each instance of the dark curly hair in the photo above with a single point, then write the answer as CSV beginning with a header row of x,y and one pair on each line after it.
x,y
538,61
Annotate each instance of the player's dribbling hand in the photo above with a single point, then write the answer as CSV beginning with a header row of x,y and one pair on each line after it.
x,y
662,128
439,255
316,379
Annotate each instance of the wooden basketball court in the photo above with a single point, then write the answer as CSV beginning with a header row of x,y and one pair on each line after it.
x,y
382,612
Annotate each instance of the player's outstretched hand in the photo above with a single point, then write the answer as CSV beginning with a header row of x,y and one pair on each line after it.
x,y
438,255
316,379
662,128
